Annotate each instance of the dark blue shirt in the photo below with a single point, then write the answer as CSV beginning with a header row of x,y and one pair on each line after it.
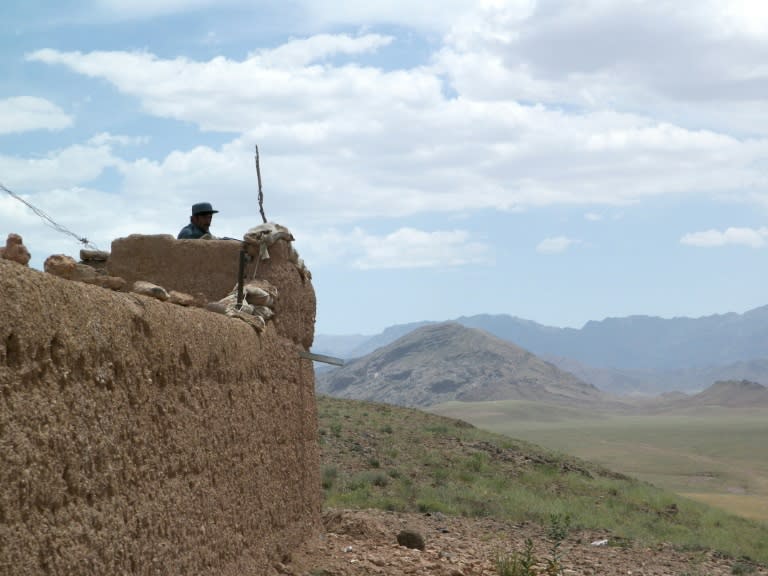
x,y
190,231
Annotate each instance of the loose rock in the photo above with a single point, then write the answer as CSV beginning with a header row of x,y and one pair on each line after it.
x,y
411,539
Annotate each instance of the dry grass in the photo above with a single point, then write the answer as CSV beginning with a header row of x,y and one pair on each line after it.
x,y
715,451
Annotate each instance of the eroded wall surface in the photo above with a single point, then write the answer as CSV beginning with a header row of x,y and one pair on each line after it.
x,y
140,437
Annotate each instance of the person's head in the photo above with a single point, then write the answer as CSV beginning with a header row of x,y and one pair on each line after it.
x,y
202,214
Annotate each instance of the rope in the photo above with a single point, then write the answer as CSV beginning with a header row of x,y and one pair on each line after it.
x,y
47,220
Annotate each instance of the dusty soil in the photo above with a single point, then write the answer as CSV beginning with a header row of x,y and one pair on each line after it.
x,y
365,542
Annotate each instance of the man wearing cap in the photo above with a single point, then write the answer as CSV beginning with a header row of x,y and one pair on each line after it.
x,y
199,222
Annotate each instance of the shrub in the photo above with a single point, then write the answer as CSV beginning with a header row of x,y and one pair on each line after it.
x,y
559,526
518,563
329,475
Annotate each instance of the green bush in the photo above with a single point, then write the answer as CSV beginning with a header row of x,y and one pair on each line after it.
x,y
329,475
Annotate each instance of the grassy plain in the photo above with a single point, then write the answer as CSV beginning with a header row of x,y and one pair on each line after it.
x,y
382,456
716,455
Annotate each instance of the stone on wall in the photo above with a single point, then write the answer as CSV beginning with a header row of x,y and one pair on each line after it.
x,y
66,267
148,289
181,298
15,250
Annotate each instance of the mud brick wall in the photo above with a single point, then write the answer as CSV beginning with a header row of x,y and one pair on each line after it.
x,y
140,437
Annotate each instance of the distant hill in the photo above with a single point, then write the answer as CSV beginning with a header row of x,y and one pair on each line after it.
x,y
649,382
732,393
442,362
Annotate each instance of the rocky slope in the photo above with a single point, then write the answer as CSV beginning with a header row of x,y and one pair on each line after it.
x,y
364,542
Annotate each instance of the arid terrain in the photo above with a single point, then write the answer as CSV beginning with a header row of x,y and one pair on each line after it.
x,y
388,470
365,542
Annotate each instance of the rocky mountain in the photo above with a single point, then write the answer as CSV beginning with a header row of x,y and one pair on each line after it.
x,y
442,362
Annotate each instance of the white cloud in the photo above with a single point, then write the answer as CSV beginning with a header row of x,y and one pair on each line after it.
x,y
105,138
68,167
702,63
405,248
297,53
741,16
354,141
658,138
556,244
593,217
309,103
27,113
754,238
410,248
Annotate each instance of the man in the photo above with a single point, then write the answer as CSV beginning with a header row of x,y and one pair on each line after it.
x,y
199,222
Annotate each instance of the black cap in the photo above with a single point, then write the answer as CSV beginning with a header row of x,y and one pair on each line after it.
x,y
203,208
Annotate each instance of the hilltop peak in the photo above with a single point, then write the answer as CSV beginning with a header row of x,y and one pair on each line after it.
x,y
447,361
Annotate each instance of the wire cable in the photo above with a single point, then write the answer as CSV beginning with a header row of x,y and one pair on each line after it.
x,y
47,220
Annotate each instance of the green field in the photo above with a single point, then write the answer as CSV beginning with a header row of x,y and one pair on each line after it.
x,y
715,455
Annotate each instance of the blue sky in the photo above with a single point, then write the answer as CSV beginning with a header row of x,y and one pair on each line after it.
x,y
557,161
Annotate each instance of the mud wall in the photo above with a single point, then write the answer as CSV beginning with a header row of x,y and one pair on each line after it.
x,y
140,437
210,268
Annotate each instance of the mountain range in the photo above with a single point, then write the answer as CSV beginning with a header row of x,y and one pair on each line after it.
x,y
630,355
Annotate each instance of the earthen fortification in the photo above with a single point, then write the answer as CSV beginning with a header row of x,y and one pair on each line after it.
x,y
142,437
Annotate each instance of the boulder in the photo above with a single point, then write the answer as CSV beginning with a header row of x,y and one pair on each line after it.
x,y
66,267
15,250
152,290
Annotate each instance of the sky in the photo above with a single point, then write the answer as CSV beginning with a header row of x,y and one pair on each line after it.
x,y
558,161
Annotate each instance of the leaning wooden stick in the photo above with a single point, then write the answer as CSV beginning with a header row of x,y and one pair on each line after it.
x,y
261,193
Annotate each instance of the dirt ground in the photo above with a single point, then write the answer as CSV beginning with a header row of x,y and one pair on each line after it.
x,y
365,542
